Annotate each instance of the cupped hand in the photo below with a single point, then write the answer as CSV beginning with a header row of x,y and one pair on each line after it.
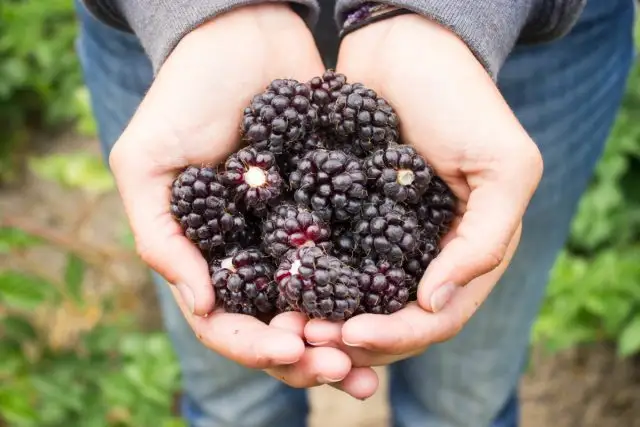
x,y
452,113
192,115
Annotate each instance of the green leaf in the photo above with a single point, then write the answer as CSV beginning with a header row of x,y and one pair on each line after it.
x,y
629,341
22,291
18,328
73,277
79,170
13,238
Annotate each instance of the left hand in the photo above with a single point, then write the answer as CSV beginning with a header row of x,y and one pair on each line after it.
x,y
453,114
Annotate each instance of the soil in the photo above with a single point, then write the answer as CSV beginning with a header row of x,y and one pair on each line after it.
x,y
584,387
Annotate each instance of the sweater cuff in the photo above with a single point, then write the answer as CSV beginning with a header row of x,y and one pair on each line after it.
x,y
490,28
161,24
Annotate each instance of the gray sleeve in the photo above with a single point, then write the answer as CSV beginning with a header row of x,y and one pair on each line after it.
x,y
491,28
160,24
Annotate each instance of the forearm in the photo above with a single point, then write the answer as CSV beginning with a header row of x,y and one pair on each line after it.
x,y
161,24
490,28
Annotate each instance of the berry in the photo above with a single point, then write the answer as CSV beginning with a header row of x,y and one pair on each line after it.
x,y
202,205
387,230
253,177
384,287
289,227
325,90
399,173
331,183
345,246
281,114
436,208
362,119
314,141
417,262
318,284
244,283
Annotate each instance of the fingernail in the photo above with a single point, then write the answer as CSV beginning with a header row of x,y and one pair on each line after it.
x,y
441,296
324,380
187,296
318,344
352,344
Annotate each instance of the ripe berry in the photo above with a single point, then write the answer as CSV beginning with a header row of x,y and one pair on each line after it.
x,y
318,285
254,178
331,183
399,173
289,227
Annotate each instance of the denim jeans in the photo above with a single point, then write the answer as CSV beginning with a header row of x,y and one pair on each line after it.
x,y
566,94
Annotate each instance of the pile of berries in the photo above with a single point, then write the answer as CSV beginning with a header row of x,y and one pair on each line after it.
x,y
322,211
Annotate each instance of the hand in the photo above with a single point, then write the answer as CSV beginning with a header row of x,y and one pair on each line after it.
x,y
191,115
454,115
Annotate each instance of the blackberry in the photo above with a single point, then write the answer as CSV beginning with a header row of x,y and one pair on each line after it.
x,y
359,117
318,284
314,141
383,286
345,246
417,262
331,183
253,177
399,173
244,283
436,208
325,90
387,230
281,114
289,227
204,209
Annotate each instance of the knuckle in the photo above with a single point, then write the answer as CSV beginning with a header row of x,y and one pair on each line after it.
x,y
492,259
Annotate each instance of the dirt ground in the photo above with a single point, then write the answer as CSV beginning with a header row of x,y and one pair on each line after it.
x,y
585,387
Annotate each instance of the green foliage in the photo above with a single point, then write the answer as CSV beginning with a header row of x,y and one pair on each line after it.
x,y
40,79
594,292
75,170
70,357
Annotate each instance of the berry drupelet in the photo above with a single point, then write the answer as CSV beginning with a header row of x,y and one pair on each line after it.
x,y
324,91
399,173
318,284
281,114
204,209
253,178
330,183
244,283
289,227
417,262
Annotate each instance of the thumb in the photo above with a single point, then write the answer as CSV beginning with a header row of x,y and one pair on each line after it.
x,y
485,232
159,239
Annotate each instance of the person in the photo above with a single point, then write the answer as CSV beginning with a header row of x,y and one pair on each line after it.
x,y
486,90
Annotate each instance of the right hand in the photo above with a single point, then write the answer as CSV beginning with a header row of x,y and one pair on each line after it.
x,y
191,115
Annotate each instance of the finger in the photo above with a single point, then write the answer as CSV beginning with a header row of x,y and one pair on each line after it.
x,y
290,321
245,339
323,333
412,329
360,383
319,365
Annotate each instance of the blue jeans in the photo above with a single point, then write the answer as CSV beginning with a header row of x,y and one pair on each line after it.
x,y
565,93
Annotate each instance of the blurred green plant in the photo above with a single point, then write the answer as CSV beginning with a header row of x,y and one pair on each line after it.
x,y
40,80
594,294
72,355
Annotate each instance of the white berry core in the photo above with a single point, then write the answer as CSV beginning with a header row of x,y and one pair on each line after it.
x,y
255,177
295,267
227,263
405,177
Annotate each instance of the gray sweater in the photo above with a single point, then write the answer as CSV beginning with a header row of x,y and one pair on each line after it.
x,y
491,28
